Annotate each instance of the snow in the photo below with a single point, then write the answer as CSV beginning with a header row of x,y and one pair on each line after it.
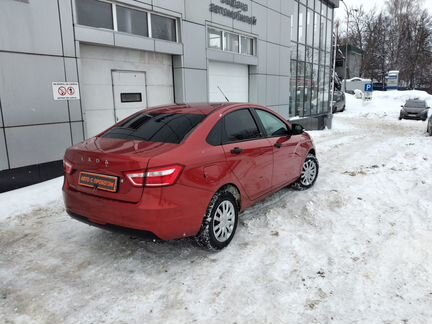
x,y
27,199
356,248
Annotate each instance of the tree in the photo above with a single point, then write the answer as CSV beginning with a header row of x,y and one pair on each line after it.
x,y
396,38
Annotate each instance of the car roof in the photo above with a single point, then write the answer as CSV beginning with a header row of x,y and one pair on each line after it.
x,y
194,108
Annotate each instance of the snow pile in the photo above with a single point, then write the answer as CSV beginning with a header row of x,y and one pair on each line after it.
x,y
385,104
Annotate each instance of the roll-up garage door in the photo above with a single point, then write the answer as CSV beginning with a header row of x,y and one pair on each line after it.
x,y
233,80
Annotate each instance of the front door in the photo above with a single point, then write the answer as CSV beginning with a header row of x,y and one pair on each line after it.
x,y
285,159
130,94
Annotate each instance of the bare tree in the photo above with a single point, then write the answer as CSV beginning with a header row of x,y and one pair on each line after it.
x,y
397,38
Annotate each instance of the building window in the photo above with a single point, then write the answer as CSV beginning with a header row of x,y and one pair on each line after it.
x,y
99,14
131,97
214,38
247,45
132,21
310,68
230,42
163,28
95,13
302,24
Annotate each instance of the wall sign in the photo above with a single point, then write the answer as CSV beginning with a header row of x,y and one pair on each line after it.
x,y
235,14
65,90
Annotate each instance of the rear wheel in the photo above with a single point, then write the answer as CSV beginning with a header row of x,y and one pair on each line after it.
x,y
220,222
429,129
309,173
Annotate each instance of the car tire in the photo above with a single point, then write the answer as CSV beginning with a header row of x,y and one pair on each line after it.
x,y
309,173
343,109
400,118
219,223
429,129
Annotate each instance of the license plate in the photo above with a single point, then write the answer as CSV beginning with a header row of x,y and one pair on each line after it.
x,y
99,181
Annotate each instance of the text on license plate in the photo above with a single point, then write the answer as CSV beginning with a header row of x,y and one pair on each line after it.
x,y
99,181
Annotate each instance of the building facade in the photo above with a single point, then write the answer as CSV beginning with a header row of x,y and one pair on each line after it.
x,y
354,59
71,68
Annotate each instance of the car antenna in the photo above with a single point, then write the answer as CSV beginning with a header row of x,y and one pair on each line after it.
x,y
223,94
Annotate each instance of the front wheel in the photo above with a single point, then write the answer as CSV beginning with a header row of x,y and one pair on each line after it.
x,y
220,222
309,173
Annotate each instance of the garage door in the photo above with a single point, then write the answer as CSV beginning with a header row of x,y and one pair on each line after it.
x,y
116,82
233,79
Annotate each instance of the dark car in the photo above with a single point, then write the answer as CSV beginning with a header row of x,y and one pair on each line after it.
x,y
429,126
414,109
339,101
186,170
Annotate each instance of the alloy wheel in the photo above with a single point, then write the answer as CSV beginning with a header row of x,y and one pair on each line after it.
x,y
309,173
224,221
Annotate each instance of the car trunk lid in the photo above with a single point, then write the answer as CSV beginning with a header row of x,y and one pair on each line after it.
x,y
100,166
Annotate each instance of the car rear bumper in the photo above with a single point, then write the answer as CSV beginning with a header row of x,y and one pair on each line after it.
x,y
113,228
167,213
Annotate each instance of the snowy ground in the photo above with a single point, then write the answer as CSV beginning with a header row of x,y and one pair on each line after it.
x,y
356,248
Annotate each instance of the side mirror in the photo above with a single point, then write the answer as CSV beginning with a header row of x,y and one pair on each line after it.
x,y
402,106
297,129
427,107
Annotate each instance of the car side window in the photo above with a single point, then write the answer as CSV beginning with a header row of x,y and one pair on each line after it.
x,y
273,126
215,136
240,126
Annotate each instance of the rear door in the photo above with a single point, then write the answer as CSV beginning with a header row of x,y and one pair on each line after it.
x,y
248,153
286,162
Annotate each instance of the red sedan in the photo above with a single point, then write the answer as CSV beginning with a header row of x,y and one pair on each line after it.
x,y
186,170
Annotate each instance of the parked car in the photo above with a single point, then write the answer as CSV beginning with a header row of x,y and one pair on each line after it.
x,y
429,126
414,109
339,101
186,170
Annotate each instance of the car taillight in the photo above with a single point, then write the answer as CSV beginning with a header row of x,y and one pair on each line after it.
x,y
155,177
67,167
136,178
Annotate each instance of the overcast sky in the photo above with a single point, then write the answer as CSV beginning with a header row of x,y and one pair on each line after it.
x,y
340,12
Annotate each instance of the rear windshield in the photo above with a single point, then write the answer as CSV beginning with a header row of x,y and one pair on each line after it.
x,y
415,104
164,128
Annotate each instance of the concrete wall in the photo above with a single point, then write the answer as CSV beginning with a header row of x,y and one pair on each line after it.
x,y
36,48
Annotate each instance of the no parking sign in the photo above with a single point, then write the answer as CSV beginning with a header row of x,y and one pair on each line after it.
x,y
65,90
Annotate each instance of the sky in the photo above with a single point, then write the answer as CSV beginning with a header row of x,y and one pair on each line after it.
x,y
340,12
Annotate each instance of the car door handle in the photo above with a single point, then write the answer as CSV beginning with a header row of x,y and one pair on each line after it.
x,y
236,150
278,145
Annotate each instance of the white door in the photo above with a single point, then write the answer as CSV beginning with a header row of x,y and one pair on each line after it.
x,y
130,94
232,79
